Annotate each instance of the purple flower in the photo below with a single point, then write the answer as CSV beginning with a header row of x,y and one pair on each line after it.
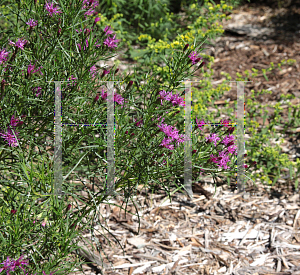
x,y
109,41
228,139
37,90
9,136
108,30
213,159
7,266
194,56
14,122
175,99
166,142
173,134
93,70
90,5
167,129
32,23
118,98
10,264
20,43
52,10
96,20
31,69
139,122
163,95
224,159
20,262
3,56
200,123
78,30
213,138
84,47
232,149
72,78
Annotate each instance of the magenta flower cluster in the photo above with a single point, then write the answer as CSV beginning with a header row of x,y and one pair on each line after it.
x,y
9,136
171,132
3,56
32,23
9,265
194,56
31,69
19,44
51,9
89,5
175,99
117,98
109,41
93,71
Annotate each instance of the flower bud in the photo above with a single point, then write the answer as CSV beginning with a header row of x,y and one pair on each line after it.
x,y
202,64
194,151
185,47
96,98
245,155
104,73
69,207
254,163
129,85
126,132
197,60
230,130
132,134
116,70
58,32
245,165
13,211
230,143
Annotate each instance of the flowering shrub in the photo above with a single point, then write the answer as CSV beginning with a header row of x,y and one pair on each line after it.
x,y
54,47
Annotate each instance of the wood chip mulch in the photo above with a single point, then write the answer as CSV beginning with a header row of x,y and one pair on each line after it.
x,y
226,234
